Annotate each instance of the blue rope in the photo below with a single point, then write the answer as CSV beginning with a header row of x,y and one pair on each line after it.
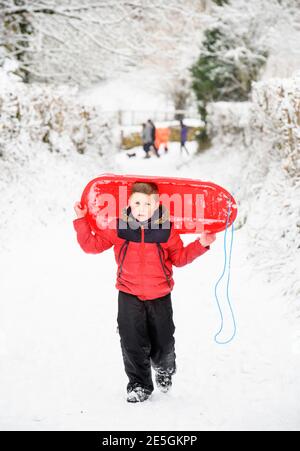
x,y
227,288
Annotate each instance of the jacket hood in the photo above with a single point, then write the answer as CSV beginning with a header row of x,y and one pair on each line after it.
x,y
160,216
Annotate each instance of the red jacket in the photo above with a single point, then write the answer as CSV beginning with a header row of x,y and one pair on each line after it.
x,y
144,256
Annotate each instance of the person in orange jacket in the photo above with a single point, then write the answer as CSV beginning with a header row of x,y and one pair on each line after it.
x,y
162,137
146,246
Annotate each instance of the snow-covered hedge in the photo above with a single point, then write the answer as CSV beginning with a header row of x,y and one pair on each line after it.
x,y
51,146
228,122
38,114
276,115
262,138
273,116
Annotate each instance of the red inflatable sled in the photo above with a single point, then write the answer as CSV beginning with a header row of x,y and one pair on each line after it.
x,y
194,206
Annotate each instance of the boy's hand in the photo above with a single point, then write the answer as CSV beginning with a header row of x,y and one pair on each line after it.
x,y
207,238
80,212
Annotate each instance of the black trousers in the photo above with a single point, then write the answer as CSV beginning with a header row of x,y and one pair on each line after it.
x,y
146,331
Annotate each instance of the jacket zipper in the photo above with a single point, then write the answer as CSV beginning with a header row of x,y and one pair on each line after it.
x,y
142,255
120,262
163,265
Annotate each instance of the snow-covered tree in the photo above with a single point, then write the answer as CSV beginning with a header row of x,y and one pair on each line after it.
x,y
237,42
232,53
84,41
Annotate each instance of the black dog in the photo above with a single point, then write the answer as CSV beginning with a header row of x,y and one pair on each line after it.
x,y
129,155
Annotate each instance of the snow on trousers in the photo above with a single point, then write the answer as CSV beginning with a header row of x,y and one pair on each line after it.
x,y
146,331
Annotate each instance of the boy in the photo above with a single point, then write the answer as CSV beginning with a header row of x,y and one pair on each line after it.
x,y
146,245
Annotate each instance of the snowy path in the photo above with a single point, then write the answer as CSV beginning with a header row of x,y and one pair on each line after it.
x,y
61,365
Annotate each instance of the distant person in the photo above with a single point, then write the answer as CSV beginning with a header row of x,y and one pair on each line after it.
x,y
162,136
153,136
183,137
147,139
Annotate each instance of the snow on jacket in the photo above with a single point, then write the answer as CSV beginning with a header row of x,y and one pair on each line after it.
x,y
144,251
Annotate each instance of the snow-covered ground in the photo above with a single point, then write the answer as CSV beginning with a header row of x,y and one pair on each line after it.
x,y
61,364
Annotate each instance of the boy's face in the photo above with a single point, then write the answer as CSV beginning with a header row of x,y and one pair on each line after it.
x,y
143,205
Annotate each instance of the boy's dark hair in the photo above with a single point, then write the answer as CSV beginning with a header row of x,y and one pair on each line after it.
x,y
144,187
